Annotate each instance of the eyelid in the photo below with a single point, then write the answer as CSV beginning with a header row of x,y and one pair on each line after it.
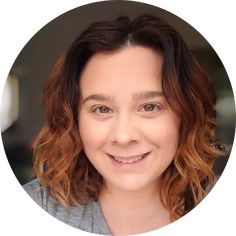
x,y
94,107
159,106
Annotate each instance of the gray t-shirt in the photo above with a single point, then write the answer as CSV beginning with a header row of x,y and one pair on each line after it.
x,y
88,218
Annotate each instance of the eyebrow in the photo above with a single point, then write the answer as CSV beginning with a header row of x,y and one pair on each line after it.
x,y
97,97
147,95
144,95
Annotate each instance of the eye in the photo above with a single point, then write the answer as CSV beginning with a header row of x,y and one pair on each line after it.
x,y
101,110
150,108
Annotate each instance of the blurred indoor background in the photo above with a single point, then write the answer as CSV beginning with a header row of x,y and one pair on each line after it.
x,y
21,111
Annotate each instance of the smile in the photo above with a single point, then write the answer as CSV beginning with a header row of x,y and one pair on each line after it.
x,y
130,159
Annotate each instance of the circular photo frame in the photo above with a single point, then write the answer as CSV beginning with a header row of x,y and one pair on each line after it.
x,y
22,116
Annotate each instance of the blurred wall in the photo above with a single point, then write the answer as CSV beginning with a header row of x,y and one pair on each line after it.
x,y
34,63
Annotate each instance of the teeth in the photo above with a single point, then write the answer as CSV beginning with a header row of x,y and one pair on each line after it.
x,y
128,161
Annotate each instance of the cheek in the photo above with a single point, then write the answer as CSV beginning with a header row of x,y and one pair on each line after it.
x,y
92,135
163,132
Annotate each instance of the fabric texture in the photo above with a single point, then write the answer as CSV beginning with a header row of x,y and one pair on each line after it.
x,y
88,218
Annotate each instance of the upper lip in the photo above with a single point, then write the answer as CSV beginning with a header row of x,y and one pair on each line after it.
x,y
127,157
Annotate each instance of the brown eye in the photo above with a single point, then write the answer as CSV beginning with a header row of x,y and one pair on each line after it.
x,y
101,110
151,108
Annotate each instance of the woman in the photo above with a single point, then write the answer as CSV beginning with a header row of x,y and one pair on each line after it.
x,y
128,146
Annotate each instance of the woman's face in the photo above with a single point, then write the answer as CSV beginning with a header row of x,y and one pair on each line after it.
x,y
128,131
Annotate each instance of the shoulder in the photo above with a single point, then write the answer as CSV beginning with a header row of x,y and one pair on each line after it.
x,y
42,197
36,191
88,218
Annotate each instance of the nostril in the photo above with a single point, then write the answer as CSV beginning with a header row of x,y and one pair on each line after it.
x,y
124,140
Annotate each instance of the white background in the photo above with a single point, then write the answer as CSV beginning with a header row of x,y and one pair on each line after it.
x,y
20,20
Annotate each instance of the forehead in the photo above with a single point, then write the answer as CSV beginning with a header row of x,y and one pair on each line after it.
x,y
128,68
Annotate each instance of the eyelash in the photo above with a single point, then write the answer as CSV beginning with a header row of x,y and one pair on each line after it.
x,y
156,107
97,110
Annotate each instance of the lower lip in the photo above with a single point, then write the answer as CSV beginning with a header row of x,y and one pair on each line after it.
x,y
128,166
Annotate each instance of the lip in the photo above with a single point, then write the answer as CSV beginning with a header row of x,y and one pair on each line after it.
x,y
129,162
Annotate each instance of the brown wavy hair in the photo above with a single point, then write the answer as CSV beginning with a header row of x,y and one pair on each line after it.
x,y
59,161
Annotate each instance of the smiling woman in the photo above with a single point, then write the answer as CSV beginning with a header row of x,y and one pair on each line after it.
x,y
128,146
127,137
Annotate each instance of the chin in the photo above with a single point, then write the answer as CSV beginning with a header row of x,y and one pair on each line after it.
x,y
132,184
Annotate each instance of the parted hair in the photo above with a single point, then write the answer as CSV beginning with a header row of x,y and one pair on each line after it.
x,y
59,160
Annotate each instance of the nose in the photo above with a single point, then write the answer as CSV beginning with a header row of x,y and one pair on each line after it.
x,y
124,131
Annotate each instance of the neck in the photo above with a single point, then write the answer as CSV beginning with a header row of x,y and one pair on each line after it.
x,y
133,212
